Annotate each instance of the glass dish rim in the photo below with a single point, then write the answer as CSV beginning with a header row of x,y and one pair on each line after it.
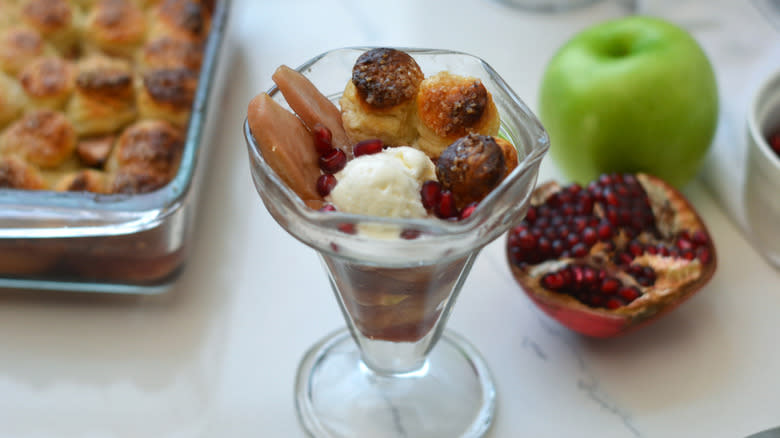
x,y
439,228
120,214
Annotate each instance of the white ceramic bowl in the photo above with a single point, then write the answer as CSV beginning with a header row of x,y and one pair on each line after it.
x,y
762,182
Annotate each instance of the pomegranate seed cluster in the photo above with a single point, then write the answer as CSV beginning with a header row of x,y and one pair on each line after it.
x,y
434,198
685,245
614,211
442,202
591,286
571,221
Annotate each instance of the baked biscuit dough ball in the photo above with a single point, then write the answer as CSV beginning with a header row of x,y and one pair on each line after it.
x,y
12,100
84,180
48,81
450,106
115,27
167,52
43,137
58,21
15,173
145,157
20,45
167,94
104,97
379,101
8,13
185,19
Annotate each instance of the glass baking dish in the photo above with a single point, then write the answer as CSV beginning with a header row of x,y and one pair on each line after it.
x,y
111,243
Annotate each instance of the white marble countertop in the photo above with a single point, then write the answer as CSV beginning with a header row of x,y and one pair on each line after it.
x,y
216,357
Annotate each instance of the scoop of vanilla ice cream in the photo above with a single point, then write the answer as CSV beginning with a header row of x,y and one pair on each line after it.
x,y
385,184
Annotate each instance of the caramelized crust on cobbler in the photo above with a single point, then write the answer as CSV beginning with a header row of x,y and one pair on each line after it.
x,y
189,19
168,94
17,174
105,78
116,26
47,16
79,76
169,52
19,45
48,81
43,137
56,20
104,98
134,180
386,77
152,144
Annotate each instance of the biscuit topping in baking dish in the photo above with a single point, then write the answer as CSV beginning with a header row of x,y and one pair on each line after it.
x,y
80,81
390,113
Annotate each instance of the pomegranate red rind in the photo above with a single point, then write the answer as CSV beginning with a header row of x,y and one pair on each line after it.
x,y
606,282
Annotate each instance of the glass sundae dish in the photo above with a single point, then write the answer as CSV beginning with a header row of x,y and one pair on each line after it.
x,y
395,277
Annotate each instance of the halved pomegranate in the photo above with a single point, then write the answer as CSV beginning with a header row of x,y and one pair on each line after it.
x,y
606,258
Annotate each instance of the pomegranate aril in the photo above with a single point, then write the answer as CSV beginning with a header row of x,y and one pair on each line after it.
x,y
553,281
445,207
629,293
589,236
530,215
430,193
613,303
700,238
333,161
635,248
579,250
526,240
410,234
326,183
328,207
610,285
703,254
604,231
323,139
684,244
467,210
368,147
347,228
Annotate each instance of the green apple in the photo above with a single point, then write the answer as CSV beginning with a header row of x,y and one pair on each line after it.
x,y
629,95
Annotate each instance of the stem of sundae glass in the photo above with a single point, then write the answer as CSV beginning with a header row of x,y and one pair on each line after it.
x,y
396,314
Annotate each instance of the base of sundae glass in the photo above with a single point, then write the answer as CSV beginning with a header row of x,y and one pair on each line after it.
x,y
451,394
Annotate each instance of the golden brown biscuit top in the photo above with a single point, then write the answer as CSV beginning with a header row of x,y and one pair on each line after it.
x,y
386,77
43,137
118,20
167,52
106,78
20,42
174,86
47,76
47,15
152,144
450,104
191,17
132,180
16,174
